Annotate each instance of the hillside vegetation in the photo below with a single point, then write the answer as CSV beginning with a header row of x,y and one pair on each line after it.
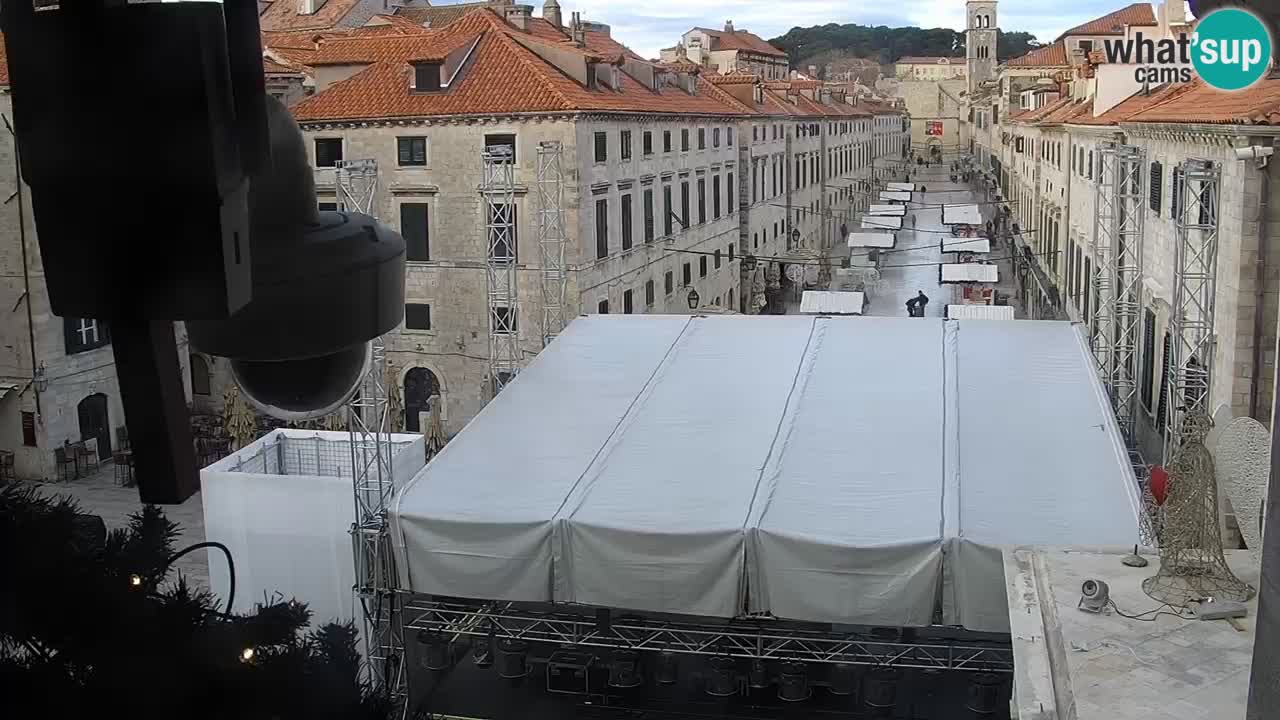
x,y
822,43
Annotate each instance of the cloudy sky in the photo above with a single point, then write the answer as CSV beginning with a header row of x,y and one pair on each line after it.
x,y
648,25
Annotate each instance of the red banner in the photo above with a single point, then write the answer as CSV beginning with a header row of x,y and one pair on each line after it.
x,y
934,127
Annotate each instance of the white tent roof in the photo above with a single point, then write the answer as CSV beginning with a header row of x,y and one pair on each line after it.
x,y
969,272
878,222
825,302
969,245
895,210
980,312
871,239
900,186
825,469
961,215
895,196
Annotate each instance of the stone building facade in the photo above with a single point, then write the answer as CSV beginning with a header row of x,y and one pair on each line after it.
x,y
729,51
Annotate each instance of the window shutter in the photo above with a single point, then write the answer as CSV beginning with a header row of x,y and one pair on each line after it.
x,y
1175,195
1163,407
70,334
1157,176
1148,356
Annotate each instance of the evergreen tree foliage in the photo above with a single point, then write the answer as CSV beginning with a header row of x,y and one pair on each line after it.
x,y
886,44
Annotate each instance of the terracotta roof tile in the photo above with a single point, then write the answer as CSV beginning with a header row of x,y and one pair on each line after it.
x,y
440,16
1133,105
1199,103
283,15
271,67
1035,116
1054,55
4,64
1113,23
733,78
741,40
926,60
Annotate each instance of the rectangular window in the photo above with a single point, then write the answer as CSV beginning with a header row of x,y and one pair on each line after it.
x,y
328,152
504,320
625,140
715,196
602,147
668,283
626,222
1090,165
717,259
411,151
648,215
1156,180
497,140
702,200
503,240
426,77
728,136
687,275
83,334
602,307
755,135
668,211
666,141
327,206
29,429
730,252
417,316
627,307
730,190
684,140
415,231
647,143
648,292
684,205
715,137
702,138
602,228
702,266
1148,358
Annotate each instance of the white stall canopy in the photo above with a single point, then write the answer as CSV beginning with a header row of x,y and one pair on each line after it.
x,y
961,215
908,187
871,240
823,469
979,312
895,196
824,302
969,272
967,245
881,222
895,210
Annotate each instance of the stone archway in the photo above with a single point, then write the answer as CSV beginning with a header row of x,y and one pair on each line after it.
x,y
420,385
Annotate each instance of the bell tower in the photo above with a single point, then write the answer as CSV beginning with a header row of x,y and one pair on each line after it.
x,y
980,41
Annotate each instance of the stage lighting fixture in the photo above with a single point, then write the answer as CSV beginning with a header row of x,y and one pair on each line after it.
x,y
722,677
666,668
844,679
513,659
758,675
793,682
984,693
436,649
624,669
882,688
1095,596
482,652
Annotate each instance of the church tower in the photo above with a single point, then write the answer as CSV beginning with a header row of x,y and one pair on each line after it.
x,y
980,41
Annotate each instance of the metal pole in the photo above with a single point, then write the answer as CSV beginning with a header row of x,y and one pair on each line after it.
x,y
551,240
1264,678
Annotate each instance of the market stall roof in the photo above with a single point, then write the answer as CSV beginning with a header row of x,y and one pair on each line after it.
x,y
825,302
968,245
881,222
896,210
961,215
871,239
968,272
824,469
908,187
979,312
895,196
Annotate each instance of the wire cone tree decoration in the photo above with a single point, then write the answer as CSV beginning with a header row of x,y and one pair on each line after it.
x,y
1192,564
239,419
395,406
434,435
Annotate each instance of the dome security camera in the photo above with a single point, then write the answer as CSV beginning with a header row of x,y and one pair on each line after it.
x,y
324,285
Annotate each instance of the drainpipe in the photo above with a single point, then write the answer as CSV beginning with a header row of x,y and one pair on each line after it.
x,y
26,271
1260,270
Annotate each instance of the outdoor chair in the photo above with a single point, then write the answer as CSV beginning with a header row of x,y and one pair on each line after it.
x,y
66,463
87,453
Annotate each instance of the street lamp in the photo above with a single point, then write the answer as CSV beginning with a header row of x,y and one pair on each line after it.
x,y
693,299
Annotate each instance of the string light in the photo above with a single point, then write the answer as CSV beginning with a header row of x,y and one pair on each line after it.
x,y
135,580
247,654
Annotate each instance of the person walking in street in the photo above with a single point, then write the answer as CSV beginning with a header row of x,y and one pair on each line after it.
x,y
921,301
911,307
913,220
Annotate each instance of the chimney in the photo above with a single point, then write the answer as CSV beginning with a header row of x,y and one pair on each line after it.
x,y
309,7
518,15
728,26
813,72
576,32
551,12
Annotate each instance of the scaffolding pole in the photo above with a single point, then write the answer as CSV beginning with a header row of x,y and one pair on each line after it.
x,y
377,600
1194,289
1126,286
356,184
498,191
1101,329
551,240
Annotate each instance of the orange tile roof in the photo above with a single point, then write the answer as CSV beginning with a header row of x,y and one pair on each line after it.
x,y
1038,114
283,15
1199,103
4,64
271,67
1113,23
741,40
734,78
1054,55
1064,110
924,60
1132,105
439,16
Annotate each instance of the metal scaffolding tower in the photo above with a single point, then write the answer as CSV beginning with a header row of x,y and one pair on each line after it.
x,y
376,595
551,239
1194,288
1126,286
357,185
1101,329
498,191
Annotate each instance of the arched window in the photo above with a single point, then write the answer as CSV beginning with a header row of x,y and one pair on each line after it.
x,y
420,385
199,375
